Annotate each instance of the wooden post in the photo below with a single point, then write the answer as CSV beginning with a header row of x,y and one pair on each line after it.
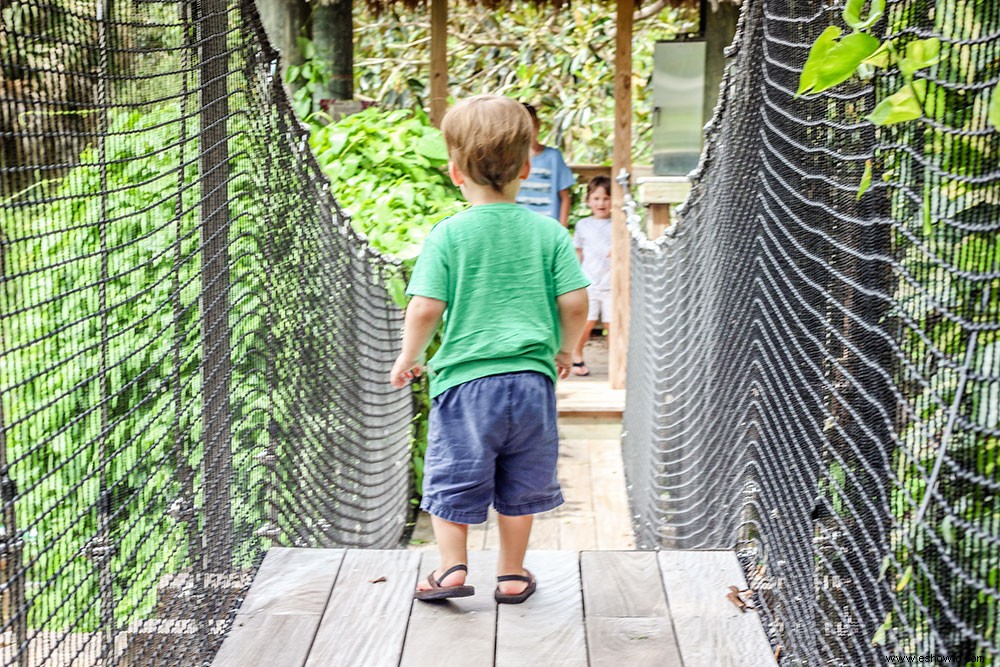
x,y
621,159
333,35
659,219
283,21
439,60
719,29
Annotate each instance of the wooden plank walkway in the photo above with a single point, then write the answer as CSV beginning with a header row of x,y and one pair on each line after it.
x,y
592,609
596,513
599,603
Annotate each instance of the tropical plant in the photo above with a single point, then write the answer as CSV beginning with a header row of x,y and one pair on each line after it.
x,y
387,169
935,110
51,342
558,59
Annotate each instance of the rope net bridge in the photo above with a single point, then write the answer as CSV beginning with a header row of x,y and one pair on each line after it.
x,y
195,342
818,372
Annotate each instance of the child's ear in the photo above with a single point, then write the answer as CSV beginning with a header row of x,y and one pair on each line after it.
x,y
457,177
525,169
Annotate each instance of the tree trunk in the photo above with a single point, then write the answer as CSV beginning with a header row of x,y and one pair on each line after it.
x,y
719,30
283,21
332,29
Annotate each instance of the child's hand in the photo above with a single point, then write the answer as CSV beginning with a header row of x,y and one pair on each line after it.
x,y
403,371
564,362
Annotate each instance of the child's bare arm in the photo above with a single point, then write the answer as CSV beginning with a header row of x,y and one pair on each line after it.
x,y
564,206
572,319
422,317
579,254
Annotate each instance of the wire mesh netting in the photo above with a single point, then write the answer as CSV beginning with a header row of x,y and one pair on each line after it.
x,y
819,372
195,344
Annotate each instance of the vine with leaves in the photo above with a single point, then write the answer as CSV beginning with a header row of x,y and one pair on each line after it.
x,y
940,100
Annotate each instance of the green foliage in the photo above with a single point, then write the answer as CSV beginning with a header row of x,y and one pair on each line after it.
x,y
948,272
832,59
133,255
901,106
866,180
388,169
307,79
51,342
561,60
853,9
993,114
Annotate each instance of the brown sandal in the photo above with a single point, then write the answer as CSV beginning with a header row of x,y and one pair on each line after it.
x,y
516,598
439,592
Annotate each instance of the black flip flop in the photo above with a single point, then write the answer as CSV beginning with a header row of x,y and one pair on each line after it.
x,y
581,364
439,592
517,598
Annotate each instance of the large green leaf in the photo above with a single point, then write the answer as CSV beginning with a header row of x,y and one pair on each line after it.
x,y
866,180
832,61
431,146
923,53
901,106
993,114
920,54
852,13
881,56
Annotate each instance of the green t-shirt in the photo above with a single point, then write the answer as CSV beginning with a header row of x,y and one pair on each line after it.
x,y
499,267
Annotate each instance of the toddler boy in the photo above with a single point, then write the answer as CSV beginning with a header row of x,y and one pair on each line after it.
x,y
508,286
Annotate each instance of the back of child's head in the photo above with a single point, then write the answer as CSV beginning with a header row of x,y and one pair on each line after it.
x,y
488,139
598,182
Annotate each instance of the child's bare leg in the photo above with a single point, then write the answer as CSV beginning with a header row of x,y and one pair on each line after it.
x,y
578,352
514,533
451,539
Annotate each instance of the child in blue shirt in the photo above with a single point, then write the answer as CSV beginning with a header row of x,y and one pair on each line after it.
x,y
546,190
507,285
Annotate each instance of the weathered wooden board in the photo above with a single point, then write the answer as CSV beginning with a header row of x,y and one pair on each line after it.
x,y
547,629
586,397
710,629
622,583
460,632
492,541
365,622
632,642
577,523
610,499
599,429
545,532
276,623
577,531
478,533
663,189
628,621
422,538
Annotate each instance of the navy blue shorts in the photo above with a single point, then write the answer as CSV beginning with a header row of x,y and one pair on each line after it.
x,y
493,440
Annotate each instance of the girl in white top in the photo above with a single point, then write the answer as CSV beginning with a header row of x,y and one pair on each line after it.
x,y
593,246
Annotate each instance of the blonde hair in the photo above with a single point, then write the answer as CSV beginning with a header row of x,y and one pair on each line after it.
x,y
488,139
